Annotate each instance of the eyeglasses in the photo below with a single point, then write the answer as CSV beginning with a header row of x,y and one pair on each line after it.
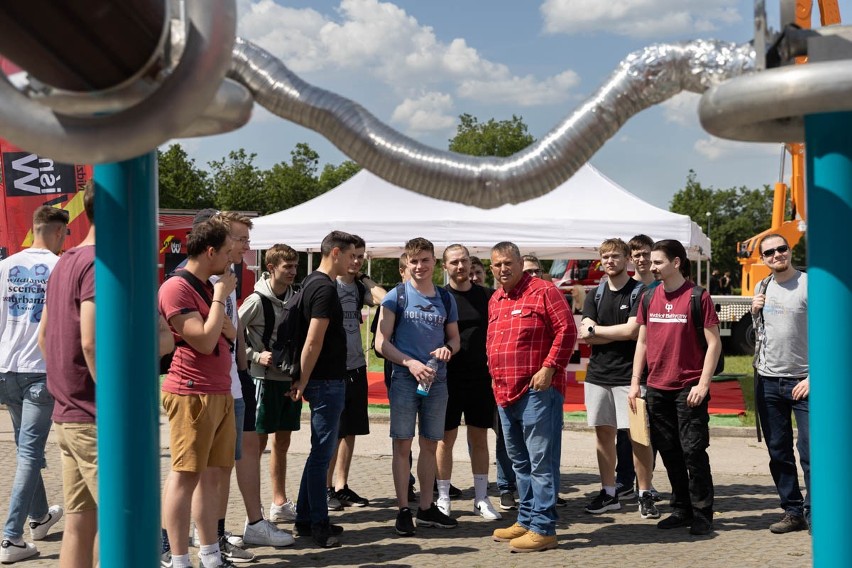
x,y
533,271
769,253
243,240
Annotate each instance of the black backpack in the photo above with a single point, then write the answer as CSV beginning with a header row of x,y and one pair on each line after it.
x,y
400,307
697,320
201,290
637,289
287,349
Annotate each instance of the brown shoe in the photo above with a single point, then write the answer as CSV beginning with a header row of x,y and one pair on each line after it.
x,y
510,533
533,542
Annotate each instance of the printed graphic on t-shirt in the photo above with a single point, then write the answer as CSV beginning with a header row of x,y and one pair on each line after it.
x,y
25,291
425,313
669,316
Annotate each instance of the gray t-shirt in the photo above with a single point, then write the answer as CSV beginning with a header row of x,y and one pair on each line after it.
x,y
348,294
784,352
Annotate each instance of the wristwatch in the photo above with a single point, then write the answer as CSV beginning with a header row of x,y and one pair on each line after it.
x,y
591,331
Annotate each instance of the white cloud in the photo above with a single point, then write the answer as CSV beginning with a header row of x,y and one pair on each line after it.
x,y
638,18
682,109
715,149
381,39
428,113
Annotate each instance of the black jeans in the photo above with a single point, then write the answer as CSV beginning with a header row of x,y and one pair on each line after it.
x,y
681,434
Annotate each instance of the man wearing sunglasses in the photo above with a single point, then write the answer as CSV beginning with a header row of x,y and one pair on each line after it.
x,y
780,312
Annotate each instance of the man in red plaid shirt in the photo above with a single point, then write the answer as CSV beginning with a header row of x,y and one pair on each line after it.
x,y
531,335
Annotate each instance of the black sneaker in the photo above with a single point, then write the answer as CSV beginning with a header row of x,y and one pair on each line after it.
x,y
788,523
655,495
701,525
602,503
412,495
331,500
624,492
404,523
348,497
647,507
507,501
455,492
433,517
234,553
560,502
678,518
304,529
322,535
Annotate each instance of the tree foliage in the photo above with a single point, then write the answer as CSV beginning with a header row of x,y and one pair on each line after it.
x,y
181,184
493,138
238,183
736,214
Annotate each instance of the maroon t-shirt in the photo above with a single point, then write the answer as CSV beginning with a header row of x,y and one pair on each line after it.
x,y
675,357
68,380
192,372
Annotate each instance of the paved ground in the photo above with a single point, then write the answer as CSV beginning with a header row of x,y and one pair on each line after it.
x,y
746,505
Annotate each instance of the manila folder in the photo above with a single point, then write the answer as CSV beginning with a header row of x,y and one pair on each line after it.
x,y
640,431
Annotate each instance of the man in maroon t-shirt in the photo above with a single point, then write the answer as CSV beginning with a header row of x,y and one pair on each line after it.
x,y
197,390
679,373
68,345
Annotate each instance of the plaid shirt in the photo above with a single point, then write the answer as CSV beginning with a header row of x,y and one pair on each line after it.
x,y
529,327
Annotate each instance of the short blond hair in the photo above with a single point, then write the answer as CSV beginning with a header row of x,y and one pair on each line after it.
x,y
229,217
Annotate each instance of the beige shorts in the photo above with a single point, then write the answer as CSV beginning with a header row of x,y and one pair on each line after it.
x,y
201,430
78,442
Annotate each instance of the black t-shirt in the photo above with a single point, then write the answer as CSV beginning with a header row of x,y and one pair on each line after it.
x,y
471,362
611,364
320,300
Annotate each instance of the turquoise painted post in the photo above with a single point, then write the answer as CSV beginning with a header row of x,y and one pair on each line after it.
x,y
828,140
126,328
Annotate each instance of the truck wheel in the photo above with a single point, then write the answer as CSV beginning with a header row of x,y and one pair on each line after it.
x,y
742,336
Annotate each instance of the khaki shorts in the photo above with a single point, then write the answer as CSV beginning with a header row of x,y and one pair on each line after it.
x,y
78,442
201,430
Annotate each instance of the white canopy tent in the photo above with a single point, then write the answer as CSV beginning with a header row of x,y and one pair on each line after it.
x,y
569,222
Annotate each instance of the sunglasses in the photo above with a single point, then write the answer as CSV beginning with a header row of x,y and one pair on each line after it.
x,y
769,253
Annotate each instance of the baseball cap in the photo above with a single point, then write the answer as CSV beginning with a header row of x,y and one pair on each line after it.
x,y
204,215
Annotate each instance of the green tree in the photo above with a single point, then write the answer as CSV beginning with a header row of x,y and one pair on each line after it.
x,y
181,184
238,183
332,176
290,184
735,215
492,138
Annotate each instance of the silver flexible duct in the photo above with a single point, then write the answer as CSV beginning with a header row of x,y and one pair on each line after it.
x,y
645,78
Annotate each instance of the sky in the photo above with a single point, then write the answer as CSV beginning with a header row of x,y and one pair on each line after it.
x,y
418,65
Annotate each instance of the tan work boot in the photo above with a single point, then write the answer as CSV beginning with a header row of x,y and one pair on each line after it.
x,y
510,533
532,542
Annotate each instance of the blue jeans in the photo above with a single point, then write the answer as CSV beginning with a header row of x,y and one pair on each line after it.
x,y
326,398
407,408
530,428
30,406
505,474
775,405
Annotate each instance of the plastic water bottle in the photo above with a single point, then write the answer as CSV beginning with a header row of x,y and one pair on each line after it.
x,y
423,390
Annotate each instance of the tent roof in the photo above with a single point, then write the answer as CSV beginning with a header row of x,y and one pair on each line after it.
x,y
569,222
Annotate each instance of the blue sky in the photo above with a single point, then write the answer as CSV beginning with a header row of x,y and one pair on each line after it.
x,y
417,65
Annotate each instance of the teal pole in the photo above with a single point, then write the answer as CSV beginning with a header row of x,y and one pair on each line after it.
x,y
828,143
126,330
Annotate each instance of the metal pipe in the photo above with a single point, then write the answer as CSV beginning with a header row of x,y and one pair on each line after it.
x,y
645,78
829,172
127,401
768,106
163,115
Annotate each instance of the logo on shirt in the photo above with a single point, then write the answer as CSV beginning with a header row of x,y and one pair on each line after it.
x,y
669,307
25,291
426,308
624,307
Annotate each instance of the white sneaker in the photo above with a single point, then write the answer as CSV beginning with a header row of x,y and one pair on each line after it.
x,y
11,552
234,539
444,505
265,533
486,510
39,529
285,513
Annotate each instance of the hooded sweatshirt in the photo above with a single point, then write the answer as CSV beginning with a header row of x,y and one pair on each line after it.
x,y
251,314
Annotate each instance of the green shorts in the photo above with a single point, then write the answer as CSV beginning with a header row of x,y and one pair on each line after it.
x,y
275,409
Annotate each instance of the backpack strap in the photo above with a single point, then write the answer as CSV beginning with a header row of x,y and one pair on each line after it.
x,y
196,284
599,292
268,320
634,294
697,313
445,298
646,302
